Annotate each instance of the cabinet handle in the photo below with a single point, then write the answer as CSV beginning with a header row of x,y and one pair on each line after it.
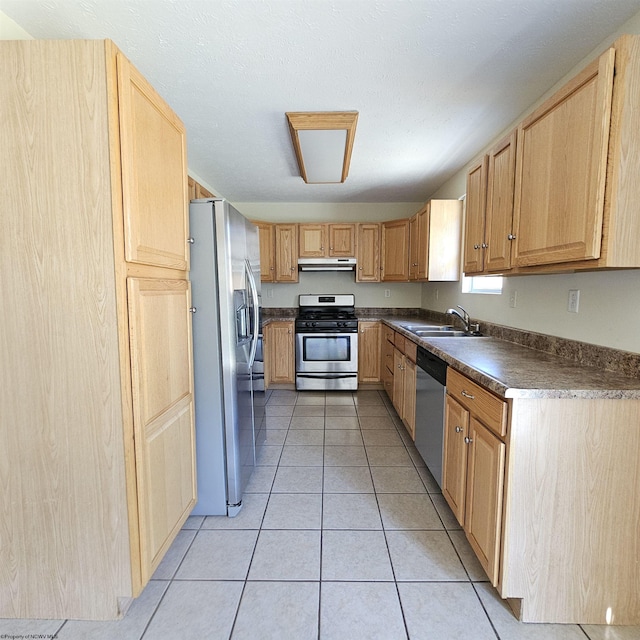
x,y
511,236
459,429
292,269
476,246
467,395
270,268
288,330
190,240
485,245
192,309
468,440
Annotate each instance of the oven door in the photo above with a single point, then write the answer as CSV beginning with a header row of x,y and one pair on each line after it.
x,y
331,353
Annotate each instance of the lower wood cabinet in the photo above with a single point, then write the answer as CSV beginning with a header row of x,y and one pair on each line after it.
x,y
279,352
474,466
369,345
401,380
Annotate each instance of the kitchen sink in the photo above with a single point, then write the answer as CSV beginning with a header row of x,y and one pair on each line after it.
x,y
438,333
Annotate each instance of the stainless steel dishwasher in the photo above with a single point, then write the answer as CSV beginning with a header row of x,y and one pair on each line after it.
x,y
431,379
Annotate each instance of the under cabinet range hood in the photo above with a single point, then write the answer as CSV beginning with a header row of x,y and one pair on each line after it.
x,y
326,264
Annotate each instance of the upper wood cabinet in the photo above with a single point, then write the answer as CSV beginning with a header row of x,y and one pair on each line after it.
x,y
312,239
439,238
489,211
562,165
395,250
475,213
154,169
327,240
102,452
197,191
286,252
266,231
368,252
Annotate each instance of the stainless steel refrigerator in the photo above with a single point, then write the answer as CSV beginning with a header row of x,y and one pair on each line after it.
x,y
225,289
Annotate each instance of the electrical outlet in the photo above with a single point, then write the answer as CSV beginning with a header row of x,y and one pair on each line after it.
x,y
387,293
269,292
513,299
573,302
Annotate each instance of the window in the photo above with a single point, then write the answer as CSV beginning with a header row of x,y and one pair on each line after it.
x,y
482,284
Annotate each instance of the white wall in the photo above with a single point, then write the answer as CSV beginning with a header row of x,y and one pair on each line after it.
x,y
609,312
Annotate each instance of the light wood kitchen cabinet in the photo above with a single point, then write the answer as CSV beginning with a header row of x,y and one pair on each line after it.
x,y
475,213
197,191
474,465
327,240
395,251
279,352
489,223
562,163
387,363
404,381
101,470
368,252
576,171
369,351
286,252
435,251
266,233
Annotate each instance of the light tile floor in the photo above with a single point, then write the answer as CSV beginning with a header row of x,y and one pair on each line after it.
x,y
344,535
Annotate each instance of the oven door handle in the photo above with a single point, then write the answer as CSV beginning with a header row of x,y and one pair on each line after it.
x,y
324,334
326,376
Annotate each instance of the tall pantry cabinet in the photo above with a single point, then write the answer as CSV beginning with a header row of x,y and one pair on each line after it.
x,y
96,395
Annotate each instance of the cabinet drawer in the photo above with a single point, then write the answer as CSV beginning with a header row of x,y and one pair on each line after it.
x,y
490,409
387,333
410,349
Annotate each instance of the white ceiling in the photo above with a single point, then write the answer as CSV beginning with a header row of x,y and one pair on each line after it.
x,y
434,80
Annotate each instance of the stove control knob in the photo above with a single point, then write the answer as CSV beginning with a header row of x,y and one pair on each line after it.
x,y
314,324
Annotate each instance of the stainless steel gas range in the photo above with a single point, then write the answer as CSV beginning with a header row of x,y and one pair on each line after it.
x,y
327,343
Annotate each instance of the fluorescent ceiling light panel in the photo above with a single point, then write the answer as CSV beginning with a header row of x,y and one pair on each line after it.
x,y
323,141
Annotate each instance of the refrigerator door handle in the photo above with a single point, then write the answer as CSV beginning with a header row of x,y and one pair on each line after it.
x,y
256,312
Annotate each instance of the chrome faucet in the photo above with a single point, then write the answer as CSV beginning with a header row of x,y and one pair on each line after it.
x,y
464,316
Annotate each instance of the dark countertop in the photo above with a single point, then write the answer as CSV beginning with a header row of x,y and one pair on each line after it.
x,y
513,371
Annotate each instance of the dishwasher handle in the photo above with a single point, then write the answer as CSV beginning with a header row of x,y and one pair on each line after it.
x,y
431,364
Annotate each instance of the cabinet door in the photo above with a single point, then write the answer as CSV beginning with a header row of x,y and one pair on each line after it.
x,y
313,240
485,483
266,233
475,207
395,250
398,382
414,240
561,170
409,402
286,253
280,352
369,351
499,217
342,240
162,386
154,174
454,471
368,253
443,234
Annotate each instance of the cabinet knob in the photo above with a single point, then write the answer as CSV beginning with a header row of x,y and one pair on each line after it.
x,y
192,309
190,240
359,268
292,269
459,429
511,236
476,246
485,245
468,440
467,395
